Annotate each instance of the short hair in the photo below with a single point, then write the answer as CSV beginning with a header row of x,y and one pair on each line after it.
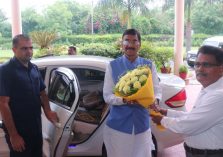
x,y
18,37
73,47
132,31
214,51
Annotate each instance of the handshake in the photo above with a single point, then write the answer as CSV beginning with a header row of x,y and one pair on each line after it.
x,y
157,115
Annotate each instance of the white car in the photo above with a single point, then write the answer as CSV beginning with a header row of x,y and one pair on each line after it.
x,y
216,41
74,85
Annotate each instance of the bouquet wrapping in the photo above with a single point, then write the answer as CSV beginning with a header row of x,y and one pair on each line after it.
x,y
137,85
152,112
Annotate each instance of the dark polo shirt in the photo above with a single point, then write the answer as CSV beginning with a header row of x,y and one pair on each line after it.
x,y
23,86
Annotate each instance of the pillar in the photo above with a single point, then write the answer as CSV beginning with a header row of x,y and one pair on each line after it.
x,y
16,18
178,35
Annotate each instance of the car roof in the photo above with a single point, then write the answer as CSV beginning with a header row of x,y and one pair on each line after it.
x,y
215,38
97,61
214,41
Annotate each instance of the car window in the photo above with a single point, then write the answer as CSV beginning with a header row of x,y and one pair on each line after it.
x,y
221,45
92,108
61,91
88,74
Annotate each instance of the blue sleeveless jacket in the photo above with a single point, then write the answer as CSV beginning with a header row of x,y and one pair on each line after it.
x,y
126,117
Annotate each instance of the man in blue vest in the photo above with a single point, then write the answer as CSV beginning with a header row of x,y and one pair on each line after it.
x,y
127,132
22,93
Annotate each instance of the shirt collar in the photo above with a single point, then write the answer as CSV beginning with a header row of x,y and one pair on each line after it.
x,y
19,64
216,85
126,59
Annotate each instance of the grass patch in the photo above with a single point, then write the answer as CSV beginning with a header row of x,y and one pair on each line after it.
x,y
5,55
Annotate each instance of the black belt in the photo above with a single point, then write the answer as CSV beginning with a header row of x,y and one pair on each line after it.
x,y
202,151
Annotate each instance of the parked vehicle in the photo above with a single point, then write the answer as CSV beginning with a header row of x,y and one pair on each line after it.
x,y
216,41
74,85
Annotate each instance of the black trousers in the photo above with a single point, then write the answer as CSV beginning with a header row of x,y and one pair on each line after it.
x,y
189,154
33,145
193,152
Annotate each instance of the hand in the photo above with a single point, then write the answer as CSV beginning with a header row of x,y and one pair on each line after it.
x,y
157,119
17,142
52,117
157,108
129,102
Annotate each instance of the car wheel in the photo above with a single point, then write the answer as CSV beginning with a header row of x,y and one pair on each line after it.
x,y
104,152
154,152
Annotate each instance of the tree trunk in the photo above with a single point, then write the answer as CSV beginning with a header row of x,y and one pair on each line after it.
x,y
188,36
129,15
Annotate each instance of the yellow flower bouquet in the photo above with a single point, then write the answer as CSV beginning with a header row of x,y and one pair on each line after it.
x,y
136,85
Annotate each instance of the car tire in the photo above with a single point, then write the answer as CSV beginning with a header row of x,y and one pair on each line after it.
x,y
154,152
104,152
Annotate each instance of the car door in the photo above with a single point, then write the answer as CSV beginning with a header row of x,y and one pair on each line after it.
x,y
63,95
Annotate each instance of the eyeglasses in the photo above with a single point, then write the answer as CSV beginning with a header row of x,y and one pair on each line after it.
x,y
130,42
205,65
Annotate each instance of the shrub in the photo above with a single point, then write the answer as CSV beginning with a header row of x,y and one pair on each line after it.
x,y
183,69
5,43
100,50
43,38
53,50
160,55
163,55
78,39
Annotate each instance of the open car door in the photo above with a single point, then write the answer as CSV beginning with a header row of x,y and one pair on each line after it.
x,y
63,95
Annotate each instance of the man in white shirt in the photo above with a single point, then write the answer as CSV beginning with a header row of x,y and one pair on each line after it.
x,y
203,125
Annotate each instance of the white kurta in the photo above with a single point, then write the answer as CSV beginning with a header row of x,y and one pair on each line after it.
x,y
119,144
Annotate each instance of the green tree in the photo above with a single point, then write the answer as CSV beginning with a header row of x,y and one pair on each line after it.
x,y
58,17
188,26
208,19
5,29
107,22
80,14
188,5
2,17
126,8
31,20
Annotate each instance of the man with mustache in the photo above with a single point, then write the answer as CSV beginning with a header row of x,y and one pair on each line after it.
x,y
203,125
127,132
